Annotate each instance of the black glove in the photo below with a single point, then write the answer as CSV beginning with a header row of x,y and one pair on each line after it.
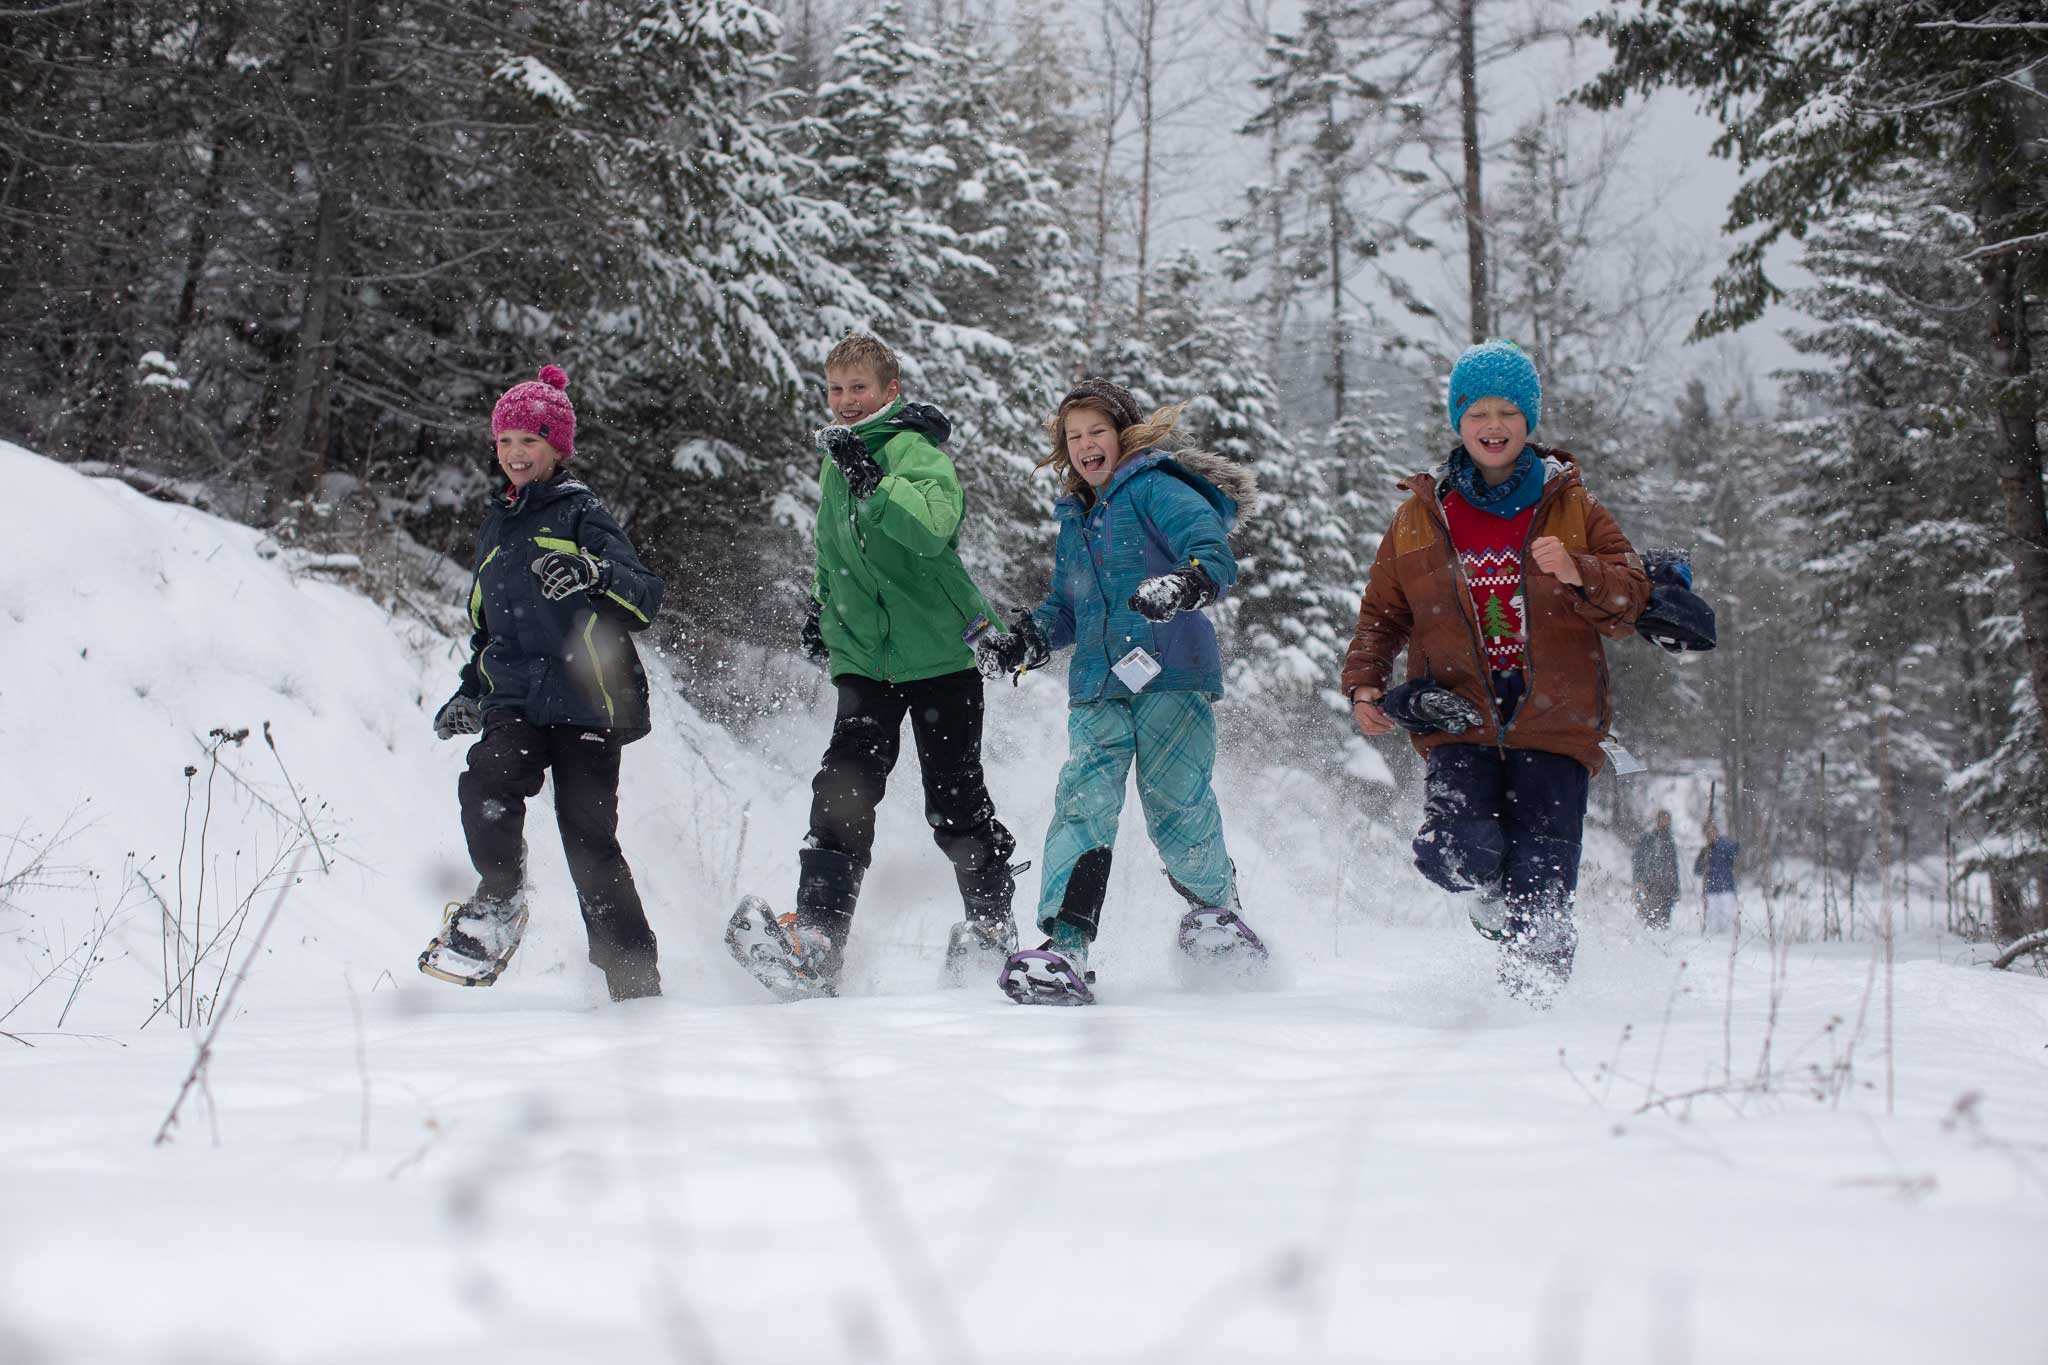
x,y
1423,706
1677,621
459,715
814,635
850,453
924,419
1185,589
1016,651
562,572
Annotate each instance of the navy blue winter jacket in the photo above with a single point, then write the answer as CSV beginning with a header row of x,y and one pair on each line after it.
x,y
558,663
1716,862
1160,511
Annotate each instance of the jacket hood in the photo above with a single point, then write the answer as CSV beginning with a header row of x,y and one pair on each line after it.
x,y
1232,488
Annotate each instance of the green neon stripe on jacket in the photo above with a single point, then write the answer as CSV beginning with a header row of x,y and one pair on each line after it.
x,y
627,605
597,668
557,543
476,590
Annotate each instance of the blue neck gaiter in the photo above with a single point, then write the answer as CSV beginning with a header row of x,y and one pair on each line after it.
x,y
1509,498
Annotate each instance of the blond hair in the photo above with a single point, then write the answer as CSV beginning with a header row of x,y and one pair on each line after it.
x,y
1153,431
866,349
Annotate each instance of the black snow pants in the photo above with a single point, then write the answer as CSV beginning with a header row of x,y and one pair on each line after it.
x,y
867,736
505,769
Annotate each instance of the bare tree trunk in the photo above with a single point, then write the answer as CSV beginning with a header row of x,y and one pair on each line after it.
x,y
1148,79
301,438
1278,280
1335,205
1111,111
1475,229
2016,405
2008,907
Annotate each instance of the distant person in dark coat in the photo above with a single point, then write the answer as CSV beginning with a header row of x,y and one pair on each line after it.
x,y
1716,863
1655,868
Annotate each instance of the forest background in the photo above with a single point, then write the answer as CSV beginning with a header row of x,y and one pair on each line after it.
x,y
278,260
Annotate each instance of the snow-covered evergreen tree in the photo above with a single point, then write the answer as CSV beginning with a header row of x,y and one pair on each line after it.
x,y
955,236
1906,563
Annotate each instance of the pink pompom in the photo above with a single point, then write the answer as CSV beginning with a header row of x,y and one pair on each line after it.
x,y
553,376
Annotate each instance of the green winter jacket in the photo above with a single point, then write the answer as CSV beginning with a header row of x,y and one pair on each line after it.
x,y
894,598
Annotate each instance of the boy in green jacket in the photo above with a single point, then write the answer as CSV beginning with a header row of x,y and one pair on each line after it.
x,y
892,614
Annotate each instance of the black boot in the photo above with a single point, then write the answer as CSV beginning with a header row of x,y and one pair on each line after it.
x,y
828,885
987,935
632,978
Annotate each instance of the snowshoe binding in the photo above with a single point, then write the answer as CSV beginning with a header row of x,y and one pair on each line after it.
x,y
477,939
1210,934
1046,976
795,961
977,947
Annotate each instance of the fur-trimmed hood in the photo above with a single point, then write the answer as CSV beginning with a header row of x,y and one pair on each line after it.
x,y
1223,477
1239,482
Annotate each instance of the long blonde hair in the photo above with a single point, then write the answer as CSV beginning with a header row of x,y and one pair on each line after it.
x,y
1154,430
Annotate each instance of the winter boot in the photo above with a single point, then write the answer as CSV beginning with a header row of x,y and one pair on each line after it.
x,y
799,955
632,978
1489,913
1217,934
978,944
1056,972
477,939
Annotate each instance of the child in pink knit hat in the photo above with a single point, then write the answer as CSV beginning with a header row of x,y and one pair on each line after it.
x,y
553,683
542,407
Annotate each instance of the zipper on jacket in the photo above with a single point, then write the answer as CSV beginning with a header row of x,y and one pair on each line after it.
x,y
1472,631
1101,592
1500,731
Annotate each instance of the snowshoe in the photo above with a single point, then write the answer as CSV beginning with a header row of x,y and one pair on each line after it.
x,y
1046,976
1536,957
976,947
795,961
477,939
1211,934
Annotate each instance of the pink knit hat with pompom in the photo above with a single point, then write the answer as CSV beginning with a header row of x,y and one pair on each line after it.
x,y
542,407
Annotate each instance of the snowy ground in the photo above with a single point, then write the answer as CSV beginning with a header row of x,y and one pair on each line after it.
x,y
1374,1159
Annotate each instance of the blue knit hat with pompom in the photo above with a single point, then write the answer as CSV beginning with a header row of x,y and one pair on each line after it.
x,y
1496,369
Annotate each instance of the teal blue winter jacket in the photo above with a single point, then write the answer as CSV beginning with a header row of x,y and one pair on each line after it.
x,y
1160,511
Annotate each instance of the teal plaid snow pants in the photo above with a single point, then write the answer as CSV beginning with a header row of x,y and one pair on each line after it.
x,y
1172,736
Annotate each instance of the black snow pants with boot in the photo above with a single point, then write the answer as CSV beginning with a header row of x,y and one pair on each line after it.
x,y
506,766
867,737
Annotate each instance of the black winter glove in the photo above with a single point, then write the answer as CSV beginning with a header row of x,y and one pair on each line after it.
x,y
561,573
814,635
850,453
459,715
1423,706
1185,589
1016,651
924,419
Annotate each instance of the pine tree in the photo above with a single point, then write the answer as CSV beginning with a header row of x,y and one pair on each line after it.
x,y
956,237
1494,620
1904,549
1829,100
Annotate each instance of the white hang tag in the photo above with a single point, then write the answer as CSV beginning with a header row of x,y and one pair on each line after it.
x,y
1136,669
1625,763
